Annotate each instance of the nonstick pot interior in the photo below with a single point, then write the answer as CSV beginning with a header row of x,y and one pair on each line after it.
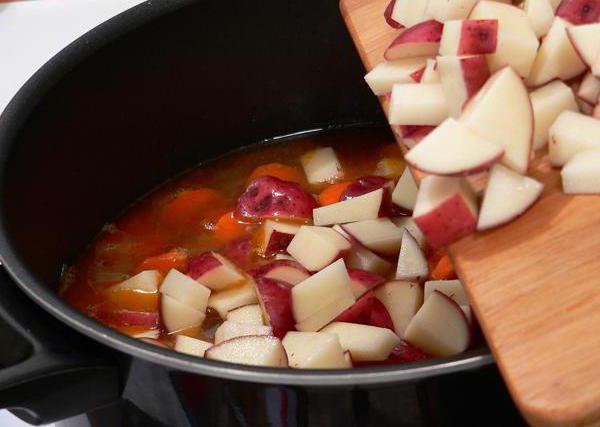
x,y
203,80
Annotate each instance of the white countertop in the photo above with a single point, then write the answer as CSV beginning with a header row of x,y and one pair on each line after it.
x,y
32,32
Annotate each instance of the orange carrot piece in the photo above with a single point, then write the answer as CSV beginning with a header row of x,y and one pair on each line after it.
x,y
192,206
177,259
434,256
229,228
444,269
332,193
278,170
134,301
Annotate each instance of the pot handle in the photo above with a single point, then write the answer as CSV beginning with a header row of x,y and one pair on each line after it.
x,y
48,372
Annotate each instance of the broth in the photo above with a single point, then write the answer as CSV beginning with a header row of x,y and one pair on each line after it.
x,y
188,216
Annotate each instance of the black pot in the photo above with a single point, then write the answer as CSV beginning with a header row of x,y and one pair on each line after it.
x,y
87,135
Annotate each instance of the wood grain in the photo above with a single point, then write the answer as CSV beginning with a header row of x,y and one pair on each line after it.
x,y
534,284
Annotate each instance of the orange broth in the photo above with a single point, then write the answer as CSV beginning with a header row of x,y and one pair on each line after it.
x,y
163,229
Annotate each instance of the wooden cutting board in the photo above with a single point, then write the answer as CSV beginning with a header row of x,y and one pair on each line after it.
x,y
534,284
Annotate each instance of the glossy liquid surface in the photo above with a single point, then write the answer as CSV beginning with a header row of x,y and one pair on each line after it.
x,y
151,227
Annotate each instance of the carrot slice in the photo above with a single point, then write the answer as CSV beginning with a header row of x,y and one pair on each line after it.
x,y
134,301
192,206
177,259
333,193
444,269
229,228
434,256
278,170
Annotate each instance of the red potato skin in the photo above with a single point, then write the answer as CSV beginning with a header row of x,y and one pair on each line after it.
x,y
478,37
425,37
367,310
202,263
579,12
418,75
416,132
447,223
275,298
278,242
367,279
475,73
387,14
149,320
402,353
241,252
427,31
481,168
413,133
257,273
270,197
367,184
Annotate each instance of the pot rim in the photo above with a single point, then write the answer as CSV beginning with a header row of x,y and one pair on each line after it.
x,y
11,120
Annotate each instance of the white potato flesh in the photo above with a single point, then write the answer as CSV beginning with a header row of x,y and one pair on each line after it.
x,y
386,74
409,12
365,343
557,58
517,43
321,165
581,174
431,73
177,316
185,290
440,327
259,350
362,258
317,247
321,289
570,134
288,274
540,14
147,282
402,300
230,329
586,41
405,192
222,275
589,89
314,350
548,102
229,299
450,288
366,206
445,10
507,195
325,315
247,314
501,112
379,235
407,223
412,263
453,149
417,104
191,346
